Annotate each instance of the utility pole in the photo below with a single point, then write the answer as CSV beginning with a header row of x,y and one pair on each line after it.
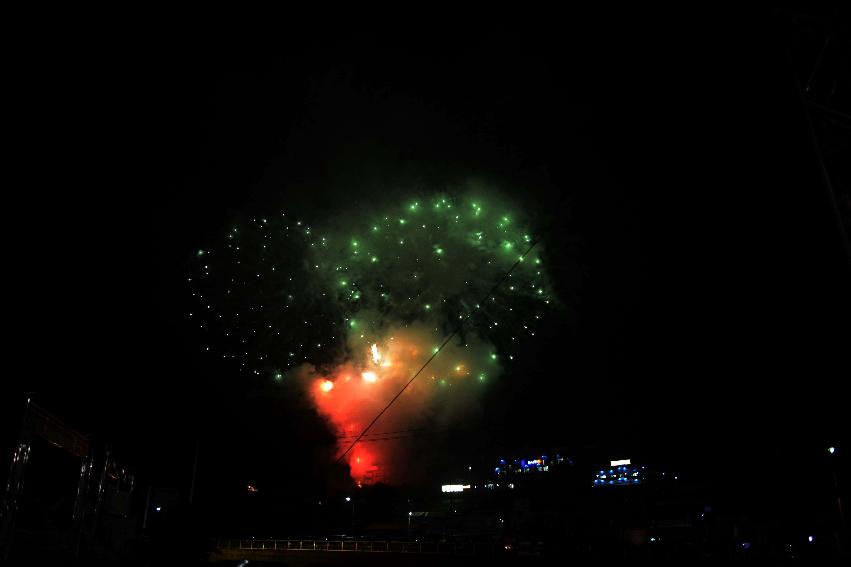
x,y
147,508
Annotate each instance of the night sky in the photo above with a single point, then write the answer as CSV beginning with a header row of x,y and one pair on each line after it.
x,y
705,289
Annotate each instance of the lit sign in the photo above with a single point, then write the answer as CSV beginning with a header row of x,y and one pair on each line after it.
x,y
622,462
454,487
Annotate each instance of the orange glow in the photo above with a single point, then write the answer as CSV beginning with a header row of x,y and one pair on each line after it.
x,y
385,365
362,464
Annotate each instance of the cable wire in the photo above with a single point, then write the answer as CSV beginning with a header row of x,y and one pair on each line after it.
x,y
436,352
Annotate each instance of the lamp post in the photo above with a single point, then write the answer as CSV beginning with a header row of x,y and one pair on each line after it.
x,y
349,499
833,466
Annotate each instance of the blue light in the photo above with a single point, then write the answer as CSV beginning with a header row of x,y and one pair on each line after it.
x,y
611,482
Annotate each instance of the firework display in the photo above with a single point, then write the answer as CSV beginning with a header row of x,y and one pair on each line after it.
x,y
350,308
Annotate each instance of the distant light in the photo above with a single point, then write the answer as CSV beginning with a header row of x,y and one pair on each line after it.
x,y
348,498
454,487
810,539
831,450
621,462
369,376
410,513
158,508
326,386
652,539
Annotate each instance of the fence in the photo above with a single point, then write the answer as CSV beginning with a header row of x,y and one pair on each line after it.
x,y
360,546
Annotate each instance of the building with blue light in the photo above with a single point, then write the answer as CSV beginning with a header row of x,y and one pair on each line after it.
x,y
535,464
620,473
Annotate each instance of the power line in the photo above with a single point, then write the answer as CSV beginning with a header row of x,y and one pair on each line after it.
x,y
416,430
405,433
396,437
437,351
